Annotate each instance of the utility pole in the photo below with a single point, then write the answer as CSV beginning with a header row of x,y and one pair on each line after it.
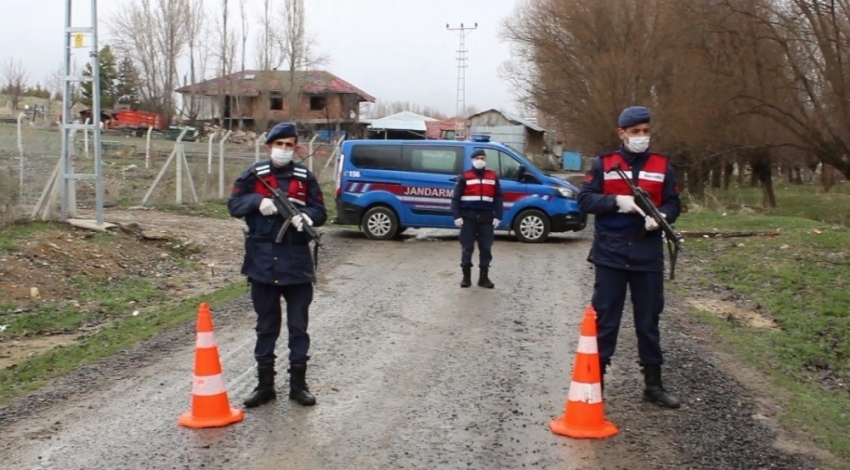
x,y
75,38
460,106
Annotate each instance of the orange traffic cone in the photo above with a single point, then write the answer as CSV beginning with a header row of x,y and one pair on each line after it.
x,y
210,407
584,413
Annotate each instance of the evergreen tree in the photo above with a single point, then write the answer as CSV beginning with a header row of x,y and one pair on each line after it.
x,y
108,80
127,85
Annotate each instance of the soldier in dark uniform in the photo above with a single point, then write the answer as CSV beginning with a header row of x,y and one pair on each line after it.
x,y
477,210
627,246
279,270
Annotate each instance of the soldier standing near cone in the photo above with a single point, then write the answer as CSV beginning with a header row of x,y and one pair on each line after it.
x,y
277,270
627,246
477,210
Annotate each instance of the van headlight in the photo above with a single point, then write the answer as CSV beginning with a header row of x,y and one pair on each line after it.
x,y
566,192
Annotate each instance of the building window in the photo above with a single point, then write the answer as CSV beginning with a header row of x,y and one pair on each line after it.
x,y
276,103
318,103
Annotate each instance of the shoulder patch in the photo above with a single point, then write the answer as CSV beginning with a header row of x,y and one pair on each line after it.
x,y
588,178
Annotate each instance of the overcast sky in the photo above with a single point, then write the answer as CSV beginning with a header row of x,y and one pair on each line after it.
x,y
396,50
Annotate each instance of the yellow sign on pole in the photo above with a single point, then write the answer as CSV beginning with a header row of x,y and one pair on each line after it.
x,y
78,40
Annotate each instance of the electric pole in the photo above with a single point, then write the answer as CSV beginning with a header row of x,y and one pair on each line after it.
x,y
460,106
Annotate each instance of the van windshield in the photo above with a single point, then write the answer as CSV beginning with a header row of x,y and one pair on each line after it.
x,y
506,165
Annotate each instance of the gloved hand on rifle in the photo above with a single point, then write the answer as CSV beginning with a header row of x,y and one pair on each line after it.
x,y
650,224
627,205
299,220
267,207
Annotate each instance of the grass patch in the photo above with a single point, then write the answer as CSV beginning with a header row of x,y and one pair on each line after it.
x,y
801,201
33,373
802,276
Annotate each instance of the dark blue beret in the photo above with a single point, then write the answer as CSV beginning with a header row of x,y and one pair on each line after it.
x,y
633,116
478,152
281,131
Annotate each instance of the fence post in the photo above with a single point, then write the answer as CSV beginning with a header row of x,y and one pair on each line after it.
x,y
148,149
259,140
86,138
221,164
310,152
210,152
21,150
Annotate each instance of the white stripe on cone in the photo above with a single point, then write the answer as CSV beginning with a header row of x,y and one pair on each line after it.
x,y
587,345
205,340
587,393
207,385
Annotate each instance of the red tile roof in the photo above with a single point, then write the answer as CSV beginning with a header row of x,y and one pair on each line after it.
x,y
251,82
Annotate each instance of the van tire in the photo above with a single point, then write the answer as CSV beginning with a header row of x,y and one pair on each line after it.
x,y
379,223
531,226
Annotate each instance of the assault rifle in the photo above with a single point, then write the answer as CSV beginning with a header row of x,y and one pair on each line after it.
x,y
644,201
287,210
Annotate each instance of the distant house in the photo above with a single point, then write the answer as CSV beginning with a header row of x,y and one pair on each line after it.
x,y
448,129
260,99
523,135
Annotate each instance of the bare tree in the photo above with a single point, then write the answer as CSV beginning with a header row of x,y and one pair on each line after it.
x,y
243,14
269,55
196,35
55,86
297,48
15,81
154,34
809,91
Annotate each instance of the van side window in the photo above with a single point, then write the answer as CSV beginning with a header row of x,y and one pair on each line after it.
x,y
503,164
376,157
433,159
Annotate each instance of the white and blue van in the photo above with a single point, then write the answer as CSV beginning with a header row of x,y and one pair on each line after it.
x,y
388,186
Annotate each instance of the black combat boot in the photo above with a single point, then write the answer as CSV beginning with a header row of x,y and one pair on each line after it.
x,y
483,280
654,390
467,277
298,390
264,392
602,368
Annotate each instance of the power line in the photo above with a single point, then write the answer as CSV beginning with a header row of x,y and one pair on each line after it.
x,y
460,105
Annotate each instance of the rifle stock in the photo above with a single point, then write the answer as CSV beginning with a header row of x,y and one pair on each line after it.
x,y
644,201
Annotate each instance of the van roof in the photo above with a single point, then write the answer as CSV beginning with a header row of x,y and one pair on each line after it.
x,y
417,142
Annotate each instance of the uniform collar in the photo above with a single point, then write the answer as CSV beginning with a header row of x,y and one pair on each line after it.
x,y
631,156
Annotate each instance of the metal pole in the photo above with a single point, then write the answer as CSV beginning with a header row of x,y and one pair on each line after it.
x,y
98,170
66,113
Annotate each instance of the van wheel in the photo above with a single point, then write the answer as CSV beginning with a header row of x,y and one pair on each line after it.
x,y
532,226
379,223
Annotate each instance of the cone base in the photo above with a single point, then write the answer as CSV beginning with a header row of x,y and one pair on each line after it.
x,y
604,429
188,420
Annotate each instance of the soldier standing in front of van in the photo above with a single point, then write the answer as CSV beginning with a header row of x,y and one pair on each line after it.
x,y
477,210
628,249
277,270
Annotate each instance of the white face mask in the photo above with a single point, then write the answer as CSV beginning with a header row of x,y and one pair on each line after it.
x,y
638,144
281,157
479,164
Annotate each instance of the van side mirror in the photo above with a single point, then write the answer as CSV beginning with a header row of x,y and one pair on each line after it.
x,y
520,174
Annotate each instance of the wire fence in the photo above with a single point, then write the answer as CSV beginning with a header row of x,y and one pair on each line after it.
x,y
135,170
